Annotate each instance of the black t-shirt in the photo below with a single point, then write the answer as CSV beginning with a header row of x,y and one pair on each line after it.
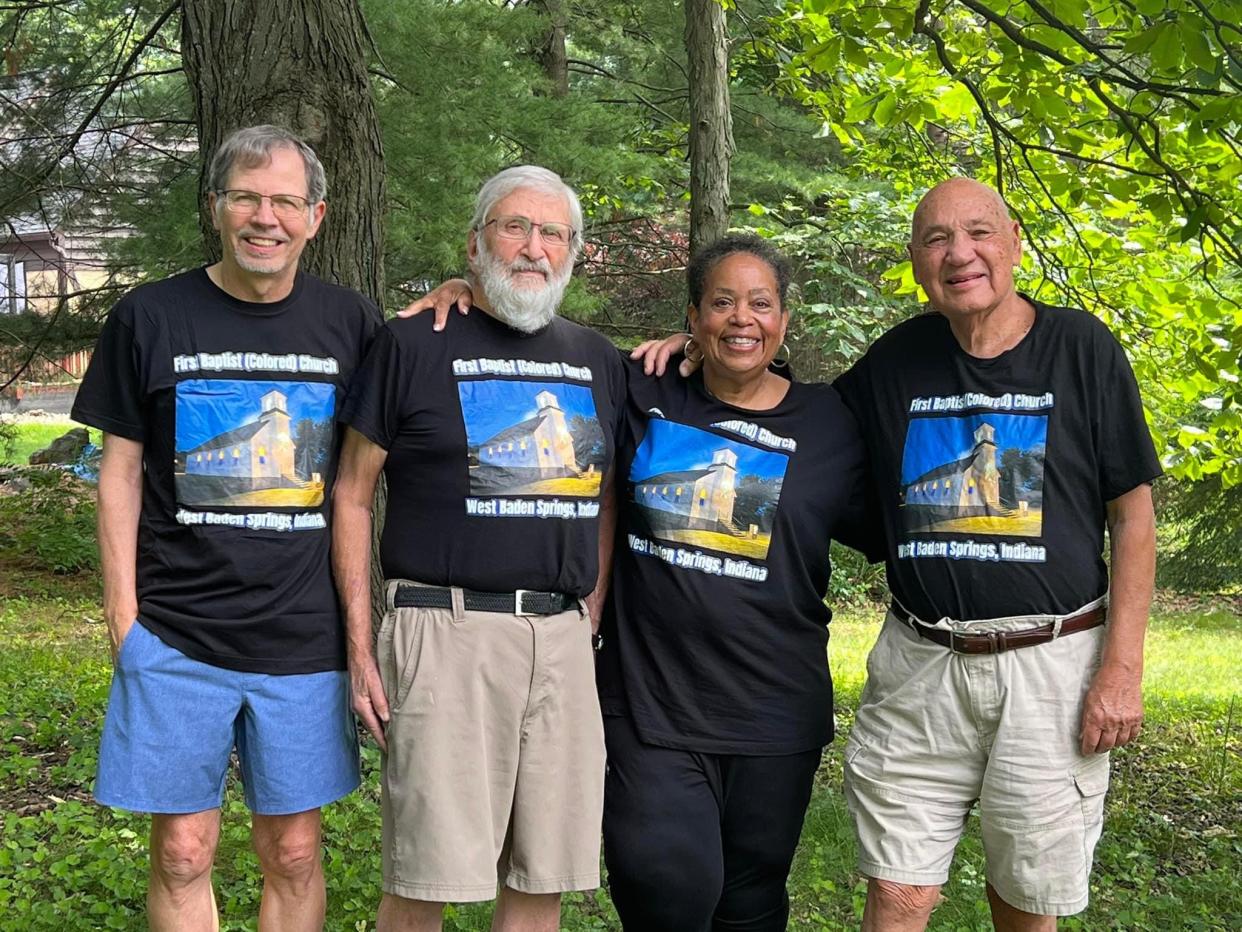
x,y
498,444
993,474
717,634
234,404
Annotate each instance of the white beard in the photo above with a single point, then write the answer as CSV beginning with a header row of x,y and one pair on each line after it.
x,y
528,309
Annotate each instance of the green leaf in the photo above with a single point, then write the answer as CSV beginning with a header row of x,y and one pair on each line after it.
x,y
886,109
860,109
955,101
1166,51
1141,42
1195,41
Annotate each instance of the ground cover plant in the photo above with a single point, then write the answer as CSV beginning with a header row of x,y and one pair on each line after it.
x,y
1169,858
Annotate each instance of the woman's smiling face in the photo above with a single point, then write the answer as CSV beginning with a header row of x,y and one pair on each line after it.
x,y
739,323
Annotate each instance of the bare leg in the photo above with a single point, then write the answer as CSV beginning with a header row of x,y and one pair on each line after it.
x,y
1006,918
397,914
294,899
179,897
526,912
898,907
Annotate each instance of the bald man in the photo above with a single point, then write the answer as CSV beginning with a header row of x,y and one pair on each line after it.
x,y
1004,435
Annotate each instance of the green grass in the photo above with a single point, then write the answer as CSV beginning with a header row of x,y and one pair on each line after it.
x,y
1168,861
35,435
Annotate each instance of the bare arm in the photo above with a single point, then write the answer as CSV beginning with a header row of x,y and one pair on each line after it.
x,y
1113,709
655,354
352,495
120,502
607,537
455,291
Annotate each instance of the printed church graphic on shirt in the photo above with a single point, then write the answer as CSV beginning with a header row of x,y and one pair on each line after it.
x,y
261,449
252,443
696,488
532,438
982,474
694,498
541,443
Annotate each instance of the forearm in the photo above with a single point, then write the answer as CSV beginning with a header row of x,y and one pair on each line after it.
x,y
120,503
351,567
352,496
607,539
1132,540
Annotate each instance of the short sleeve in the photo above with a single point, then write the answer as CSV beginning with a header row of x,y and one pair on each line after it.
x,y
111,395
618,380
850,383
860,524
376,401
372,323
1124,449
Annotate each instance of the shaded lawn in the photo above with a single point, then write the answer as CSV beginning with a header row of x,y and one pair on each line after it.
x,y
1169,858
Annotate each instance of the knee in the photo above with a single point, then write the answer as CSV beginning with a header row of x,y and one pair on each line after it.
x,y
901,900
288,856
660,890
180,857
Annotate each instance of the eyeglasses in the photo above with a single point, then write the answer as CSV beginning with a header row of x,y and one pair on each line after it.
x,y
286,206
518,227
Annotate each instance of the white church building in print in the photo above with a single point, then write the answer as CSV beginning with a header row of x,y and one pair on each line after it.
x,y
701,498
540,446
968,486
260,449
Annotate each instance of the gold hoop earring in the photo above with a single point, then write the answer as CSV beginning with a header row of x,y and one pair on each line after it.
x,y
783,362
686,351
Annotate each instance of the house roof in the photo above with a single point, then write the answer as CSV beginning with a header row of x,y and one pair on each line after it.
x,y
682,475
947,469
236,435
524,429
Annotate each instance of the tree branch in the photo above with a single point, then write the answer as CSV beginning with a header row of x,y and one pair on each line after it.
x,y
76,135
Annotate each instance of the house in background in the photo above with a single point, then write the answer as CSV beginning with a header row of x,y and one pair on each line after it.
x,y
54,246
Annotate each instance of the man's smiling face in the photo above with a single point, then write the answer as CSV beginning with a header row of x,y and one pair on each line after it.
x,y
964,248
262,243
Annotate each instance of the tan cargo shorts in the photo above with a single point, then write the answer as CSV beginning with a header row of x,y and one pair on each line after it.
x,y
495,765
937,731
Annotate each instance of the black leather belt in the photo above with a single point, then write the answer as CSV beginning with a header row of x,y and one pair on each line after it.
x,y
521,602
996,642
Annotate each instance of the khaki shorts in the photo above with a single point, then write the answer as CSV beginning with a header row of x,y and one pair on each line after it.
x,y
938,731
495,764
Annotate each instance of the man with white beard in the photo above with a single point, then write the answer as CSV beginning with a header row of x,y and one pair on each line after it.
x,y
497,442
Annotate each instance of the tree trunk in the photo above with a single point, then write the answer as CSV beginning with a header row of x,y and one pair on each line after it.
x,y
301,64
711,121
553,56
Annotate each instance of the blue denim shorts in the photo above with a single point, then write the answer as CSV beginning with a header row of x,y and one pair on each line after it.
x,y
172,723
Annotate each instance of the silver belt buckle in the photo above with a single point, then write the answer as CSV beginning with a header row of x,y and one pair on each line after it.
x,y
517,603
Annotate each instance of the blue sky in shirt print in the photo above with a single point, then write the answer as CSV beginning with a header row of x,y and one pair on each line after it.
x,y
934,441
488,406
670,447
207,408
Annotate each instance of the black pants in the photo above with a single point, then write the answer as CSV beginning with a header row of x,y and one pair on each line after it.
x,y
700,842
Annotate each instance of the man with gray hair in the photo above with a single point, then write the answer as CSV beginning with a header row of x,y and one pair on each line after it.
x,y
497,442
217,391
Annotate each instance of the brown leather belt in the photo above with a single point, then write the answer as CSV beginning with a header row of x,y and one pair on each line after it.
x,y
995,642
